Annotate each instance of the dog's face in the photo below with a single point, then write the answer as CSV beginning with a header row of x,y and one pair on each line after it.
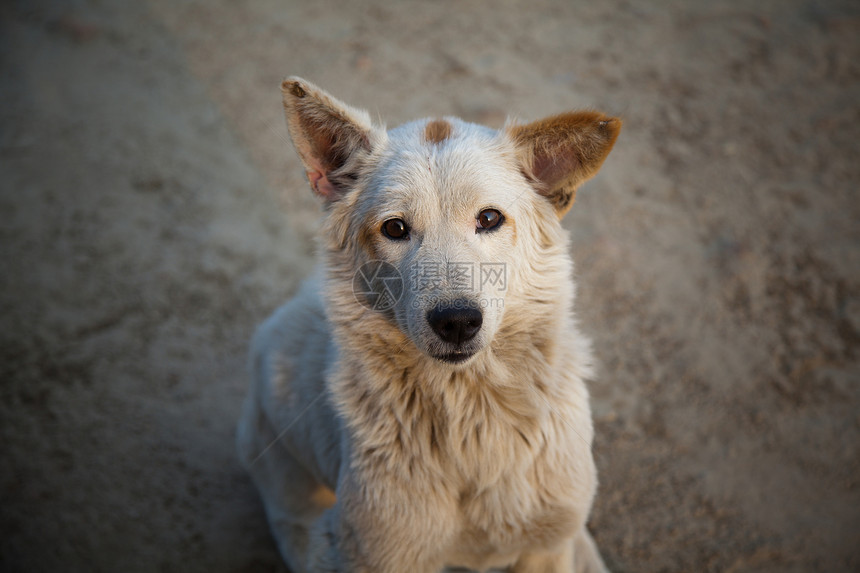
x,y
447,220
444,212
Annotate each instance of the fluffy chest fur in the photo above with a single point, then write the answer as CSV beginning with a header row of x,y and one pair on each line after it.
x,y
505,443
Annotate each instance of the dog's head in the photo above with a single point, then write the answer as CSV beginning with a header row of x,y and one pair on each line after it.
x,y
444,228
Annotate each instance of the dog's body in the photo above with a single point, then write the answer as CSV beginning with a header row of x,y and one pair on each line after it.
x,y
444,422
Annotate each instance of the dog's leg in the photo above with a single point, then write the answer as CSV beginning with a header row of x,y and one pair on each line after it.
x,y
292,498
556,562
580,556
337,546
358,535
586,557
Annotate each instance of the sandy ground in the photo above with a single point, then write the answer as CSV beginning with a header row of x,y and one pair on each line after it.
x,y
152,212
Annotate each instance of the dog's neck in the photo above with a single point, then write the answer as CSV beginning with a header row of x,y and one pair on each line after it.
x,y
474,420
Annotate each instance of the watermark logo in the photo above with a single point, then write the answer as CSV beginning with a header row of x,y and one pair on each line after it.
x,y
377,285
458,276
494,275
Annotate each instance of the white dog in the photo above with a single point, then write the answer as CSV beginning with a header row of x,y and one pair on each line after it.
x,y
421,403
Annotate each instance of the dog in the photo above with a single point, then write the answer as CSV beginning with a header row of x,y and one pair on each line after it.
x,y
421,403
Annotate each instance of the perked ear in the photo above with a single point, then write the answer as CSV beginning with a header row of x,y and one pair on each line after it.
x,y
560,153
331,137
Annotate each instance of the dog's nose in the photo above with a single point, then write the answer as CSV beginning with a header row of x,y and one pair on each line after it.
x,y
455,325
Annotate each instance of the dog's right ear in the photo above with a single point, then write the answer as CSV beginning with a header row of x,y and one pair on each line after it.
x,y
560,153
331,137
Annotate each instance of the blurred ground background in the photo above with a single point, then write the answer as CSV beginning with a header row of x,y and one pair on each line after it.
x,y
152,212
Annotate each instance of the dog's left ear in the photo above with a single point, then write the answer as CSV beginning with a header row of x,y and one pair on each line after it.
x,y
560,153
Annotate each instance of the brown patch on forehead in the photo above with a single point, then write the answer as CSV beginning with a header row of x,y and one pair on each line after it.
x,y
437,131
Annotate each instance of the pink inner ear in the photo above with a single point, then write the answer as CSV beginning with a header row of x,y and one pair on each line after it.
x,y
553,165
321,185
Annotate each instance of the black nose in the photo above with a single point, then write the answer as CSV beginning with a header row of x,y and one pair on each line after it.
x,y
455,325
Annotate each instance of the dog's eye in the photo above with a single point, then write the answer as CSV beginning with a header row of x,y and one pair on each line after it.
x,y
395,229
488,219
